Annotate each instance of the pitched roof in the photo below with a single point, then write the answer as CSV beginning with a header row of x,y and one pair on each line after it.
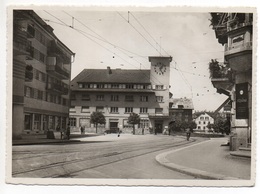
x,y
185,102
115,76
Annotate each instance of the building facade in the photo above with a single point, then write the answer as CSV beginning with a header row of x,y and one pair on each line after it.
x,y
235,32
41,76
117,93
202,122
181,109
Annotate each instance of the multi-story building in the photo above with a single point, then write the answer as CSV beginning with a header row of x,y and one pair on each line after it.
x,y
119,92
181,109
41,76
235,32
202,122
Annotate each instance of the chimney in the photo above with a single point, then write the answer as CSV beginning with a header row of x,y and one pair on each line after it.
x,y
109,71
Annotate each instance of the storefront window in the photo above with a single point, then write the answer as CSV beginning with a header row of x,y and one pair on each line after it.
x,y
37,122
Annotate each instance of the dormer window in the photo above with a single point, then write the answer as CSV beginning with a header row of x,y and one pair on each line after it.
x,y
80,85
180,106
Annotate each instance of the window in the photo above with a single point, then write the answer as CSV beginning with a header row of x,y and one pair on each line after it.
x,y
159,87
73,96
180,106
85,97
204,122
30,31
199,122
114,85
204,127
129,98
40,95
37,74
99,108
144,98
143,110
35,93
100,97
114,109
198,127
201,118
42,57
129,86
159,98
100,85
85,109
144,123
80,85
72,122
206,118
158,110
37,121
128,109
114,98
51,122
27,91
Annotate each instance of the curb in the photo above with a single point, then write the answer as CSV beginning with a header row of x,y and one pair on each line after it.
x,y
161,159
44,142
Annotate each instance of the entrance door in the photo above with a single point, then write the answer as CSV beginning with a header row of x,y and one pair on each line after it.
x,y
113,127
158,127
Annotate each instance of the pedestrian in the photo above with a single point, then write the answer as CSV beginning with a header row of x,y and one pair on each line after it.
x,y
188,132
142,131
118,132
68,132
82,130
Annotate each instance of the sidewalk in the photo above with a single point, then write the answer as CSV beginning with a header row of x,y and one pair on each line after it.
x,y
42,139
207,160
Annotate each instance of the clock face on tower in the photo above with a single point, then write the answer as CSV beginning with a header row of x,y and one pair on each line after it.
x,y
160,68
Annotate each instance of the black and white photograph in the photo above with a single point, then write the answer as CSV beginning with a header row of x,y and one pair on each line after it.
x,y
131,96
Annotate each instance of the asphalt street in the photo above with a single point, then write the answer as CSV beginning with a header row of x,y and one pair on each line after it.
x,y
108,156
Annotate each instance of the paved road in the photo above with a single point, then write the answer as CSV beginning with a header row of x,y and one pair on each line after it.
x,y
106,156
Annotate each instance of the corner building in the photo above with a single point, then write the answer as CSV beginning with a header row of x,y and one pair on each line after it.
x,y
41,76
119,92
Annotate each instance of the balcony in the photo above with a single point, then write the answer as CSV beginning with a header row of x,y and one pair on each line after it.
x,y
239,56
57,88
221,76
158,115
56,69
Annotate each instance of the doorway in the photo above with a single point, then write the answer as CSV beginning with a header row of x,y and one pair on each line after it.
x,y
158,127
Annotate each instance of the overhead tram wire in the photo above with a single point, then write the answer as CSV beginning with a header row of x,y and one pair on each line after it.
x,y
139,33
148,33
99,44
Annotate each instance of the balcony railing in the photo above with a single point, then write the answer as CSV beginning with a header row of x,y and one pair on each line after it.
x,y
62,71
58,88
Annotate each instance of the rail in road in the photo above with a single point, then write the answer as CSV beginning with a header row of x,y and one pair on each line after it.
x,y
63,163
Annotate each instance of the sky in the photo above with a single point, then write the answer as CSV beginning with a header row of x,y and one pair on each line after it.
x,y
122,39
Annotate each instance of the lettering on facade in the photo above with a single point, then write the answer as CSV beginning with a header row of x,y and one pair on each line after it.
x,y
242,101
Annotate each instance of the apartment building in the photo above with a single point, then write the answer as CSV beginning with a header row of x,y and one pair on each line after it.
x,y
119,92
181,109
202,122
41,76
235,32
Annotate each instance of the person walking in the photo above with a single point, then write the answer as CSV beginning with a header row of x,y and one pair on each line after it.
x,y
82,130
68,132
188,132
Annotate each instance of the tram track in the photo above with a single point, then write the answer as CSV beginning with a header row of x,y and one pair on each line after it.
x,y
95,161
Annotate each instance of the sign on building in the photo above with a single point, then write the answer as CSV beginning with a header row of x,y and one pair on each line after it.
x,y
242,101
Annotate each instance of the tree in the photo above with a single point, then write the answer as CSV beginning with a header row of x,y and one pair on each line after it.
x,y
179,126
97,118
133,119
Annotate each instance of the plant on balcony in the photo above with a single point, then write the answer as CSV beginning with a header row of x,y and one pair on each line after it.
x,y
220,70
97,118
133,119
